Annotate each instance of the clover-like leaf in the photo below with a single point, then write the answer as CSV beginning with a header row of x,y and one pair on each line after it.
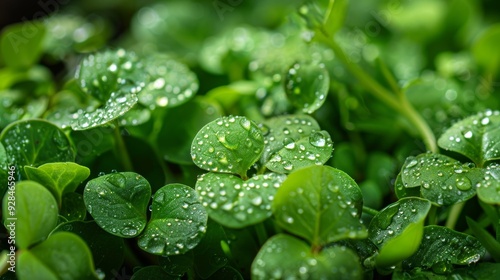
x,y
399,225
443,180
58,177
476,137
178,222
286,257
306,86
118,202
30,211
228,145
35,142
321,204
293,142
170,83
488,189
63,255
442,247
235,203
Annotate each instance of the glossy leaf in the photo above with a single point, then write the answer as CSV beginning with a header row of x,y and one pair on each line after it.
x,y
118,202
178,222
488,241
63,255
476,137
301,263
31,212
36,142
488,188
226,272
72,207
399,225
235,203
177,265
170,83
58,177
307,85
293,142
228,145
21,44
152,273
208,255
4,168
442,247
321,204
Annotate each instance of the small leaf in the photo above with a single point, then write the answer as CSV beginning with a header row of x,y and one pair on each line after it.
x,y
178,222
321,204
208,255
401,191
488,190
476,137
72,207
226,272
63,255
228,145
177,265
442,247
21,44
488,241
293,142
399,225
31,211
170,83
35,142
307,85
235,203
152,272
58,177
301,263
118,202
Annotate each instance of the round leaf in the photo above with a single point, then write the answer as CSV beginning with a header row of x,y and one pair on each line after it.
x,y
307,85
321,204
235,203
118,202
34,213
399,225
286,257
178,222
476,137
35,142
228,145
63,255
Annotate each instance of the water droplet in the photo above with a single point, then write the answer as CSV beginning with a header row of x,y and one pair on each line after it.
x,y
485,121
468,134
257,201
317,139
463,184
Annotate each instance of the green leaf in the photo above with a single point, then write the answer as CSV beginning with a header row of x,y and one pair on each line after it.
x,y
178,222
118,202
442,247
58,177
31,210
488,189
235,203
485,49
226,272
301,263
397,230
170,82
293,142
208,255
307,85
488,241
63,256
443,180
153,272
228,145
177,265
321,204
401,191
35,142
21,44
476,137
73,207
335,17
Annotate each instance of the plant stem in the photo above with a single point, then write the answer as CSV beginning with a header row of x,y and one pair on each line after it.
x,y
370,211
431,217
454,214
121,150
261,232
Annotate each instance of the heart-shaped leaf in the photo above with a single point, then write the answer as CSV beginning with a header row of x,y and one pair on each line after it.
x,y
286,257
178,222
31,211
399,225
35,142
58,177
63,255
293,142
170,83
442,247
476,137
118,202
321,204
307,85
228,145
235,203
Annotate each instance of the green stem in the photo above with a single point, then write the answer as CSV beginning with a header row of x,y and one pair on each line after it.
x,y
370,211
432,217
261,232
454,214
121,150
